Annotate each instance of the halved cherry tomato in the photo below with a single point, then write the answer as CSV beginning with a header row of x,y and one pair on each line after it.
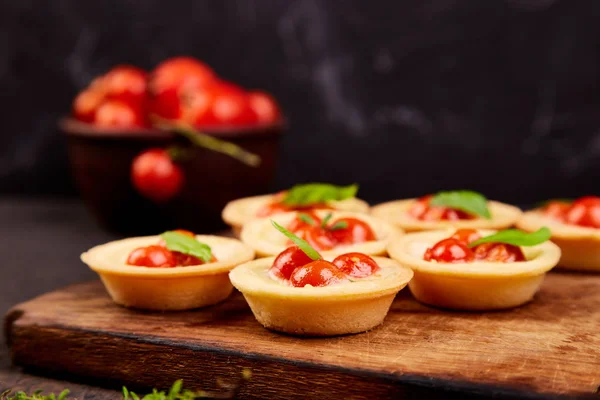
x,y
152,256
466,236
86,103
156,176
317,237
173,80
297,223
557,209
449,251
317,273
584,211
265,107
287,261
357,231
356,265
126,83
118,114
498,252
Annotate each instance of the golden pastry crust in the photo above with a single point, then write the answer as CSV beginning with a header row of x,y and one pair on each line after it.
x,y
238,212
580,245
479,285
267,241
396,212
177,288
344,308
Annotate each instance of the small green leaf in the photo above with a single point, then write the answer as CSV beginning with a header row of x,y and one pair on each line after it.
x,y
338,225
134,396
175,389
176,241
307,218
465,200
516,237
318,193
63,395
125,393
302,244
326,220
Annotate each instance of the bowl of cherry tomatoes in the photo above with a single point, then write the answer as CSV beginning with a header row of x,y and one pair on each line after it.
x,y
166,149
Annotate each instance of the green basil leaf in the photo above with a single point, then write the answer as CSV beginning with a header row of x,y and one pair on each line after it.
x,y
302,244
339,225
317,193
325,220
465,200
516,237
307,218
176,241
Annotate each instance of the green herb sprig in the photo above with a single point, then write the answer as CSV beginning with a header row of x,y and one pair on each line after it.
x,y
465,200
301,243
318,193
516,237
176,241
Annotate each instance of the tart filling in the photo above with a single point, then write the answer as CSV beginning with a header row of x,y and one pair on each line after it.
x,y
166,287
463,209
575,229
332,232
305,197
300,292
489,280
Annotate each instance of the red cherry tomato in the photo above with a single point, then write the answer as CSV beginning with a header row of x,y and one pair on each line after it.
x,y
357,231
557,209
186,260
584,211
317,273
156,176
86,103
126,83
265,107
297,223
173,80
466,236
498,252
356,265
287,261
229,107
423,211
317,237
449,251
152,256
118,114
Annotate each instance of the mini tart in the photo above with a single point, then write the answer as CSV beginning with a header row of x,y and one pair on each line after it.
x,y
267,241
177,288
477,286
344,308
580,245
396,212
238,212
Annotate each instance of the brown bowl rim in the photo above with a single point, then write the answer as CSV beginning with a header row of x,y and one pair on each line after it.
x,y
73,127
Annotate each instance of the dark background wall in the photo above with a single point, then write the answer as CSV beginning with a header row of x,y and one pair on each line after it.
x,y
405,97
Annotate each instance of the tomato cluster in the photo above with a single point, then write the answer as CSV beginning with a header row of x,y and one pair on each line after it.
x,y
423,211
455,249
181,89
294,267
327,236
158,256
584,211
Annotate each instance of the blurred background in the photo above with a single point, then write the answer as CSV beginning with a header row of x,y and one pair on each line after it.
x,y
405,98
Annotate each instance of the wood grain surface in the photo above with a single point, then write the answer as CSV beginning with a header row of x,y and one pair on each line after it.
x,y
548,347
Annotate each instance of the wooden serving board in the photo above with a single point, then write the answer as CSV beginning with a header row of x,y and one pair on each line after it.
x,y
546,348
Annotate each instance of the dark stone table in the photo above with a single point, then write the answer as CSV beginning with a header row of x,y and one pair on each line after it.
x,y
40,247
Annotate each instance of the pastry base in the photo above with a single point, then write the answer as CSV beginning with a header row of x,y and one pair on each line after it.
x,y
474,294
167,294
322,318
